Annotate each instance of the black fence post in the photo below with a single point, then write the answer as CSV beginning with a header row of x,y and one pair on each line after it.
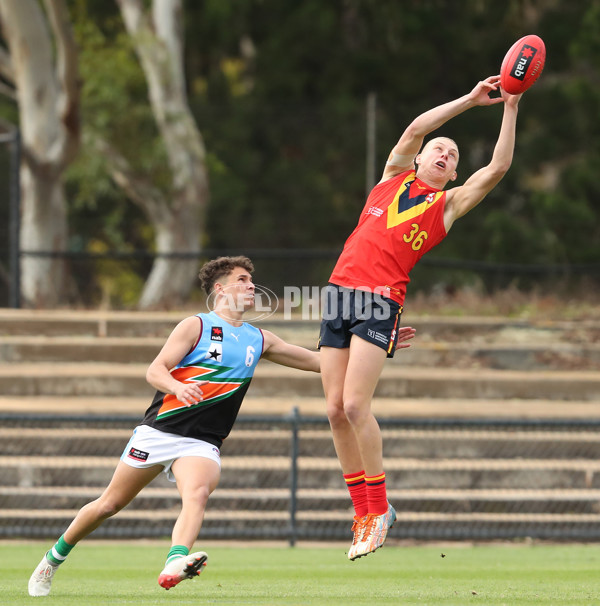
x,y
295,420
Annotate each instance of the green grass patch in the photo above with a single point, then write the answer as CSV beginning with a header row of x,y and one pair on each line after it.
x,y
112,574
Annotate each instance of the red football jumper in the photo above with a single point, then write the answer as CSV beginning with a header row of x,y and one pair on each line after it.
x,y
402,220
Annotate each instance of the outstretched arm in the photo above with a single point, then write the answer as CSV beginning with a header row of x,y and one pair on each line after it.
x,y
460,200
403,153
278,351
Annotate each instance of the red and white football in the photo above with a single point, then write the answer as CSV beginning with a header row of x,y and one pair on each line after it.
x,y
523,64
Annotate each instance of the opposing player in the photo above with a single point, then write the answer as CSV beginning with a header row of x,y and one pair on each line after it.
x,y
189,418
407,213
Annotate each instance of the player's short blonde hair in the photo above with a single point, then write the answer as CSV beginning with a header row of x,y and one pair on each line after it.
x,y
435,139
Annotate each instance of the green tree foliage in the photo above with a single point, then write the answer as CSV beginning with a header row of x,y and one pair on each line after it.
x,y
279,92
286,126
115,108
552,189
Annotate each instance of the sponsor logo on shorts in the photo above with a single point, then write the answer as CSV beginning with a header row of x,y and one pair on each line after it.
x,y
216,451
138,455
377,336
216,333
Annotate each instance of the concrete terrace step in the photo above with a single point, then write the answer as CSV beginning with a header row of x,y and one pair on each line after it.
x,y
132,408
278,499
313,525
441,443
224,494
440,328
95,323
323,516
86,379
86,349
142,350
258,472
503,356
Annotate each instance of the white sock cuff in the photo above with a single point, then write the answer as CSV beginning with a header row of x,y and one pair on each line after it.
x,y
57,555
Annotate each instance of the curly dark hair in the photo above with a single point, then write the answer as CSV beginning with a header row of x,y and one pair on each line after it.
x,y
220,267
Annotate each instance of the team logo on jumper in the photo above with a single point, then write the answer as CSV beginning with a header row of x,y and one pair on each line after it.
x,y
215,352
138,455
373,210
523,62
216,333
217,384
406,206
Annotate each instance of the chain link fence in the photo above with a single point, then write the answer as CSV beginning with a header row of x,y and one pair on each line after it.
x,y
448,479
114,280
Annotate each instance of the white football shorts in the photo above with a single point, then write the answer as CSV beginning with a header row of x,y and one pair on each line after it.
x,y
149,446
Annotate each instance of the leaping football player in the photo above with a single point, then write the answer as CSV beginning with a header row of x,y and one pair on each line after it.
x,y
406,214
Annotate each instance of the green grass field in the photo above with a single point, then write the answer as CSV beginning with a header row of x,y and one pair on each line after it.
x,y
111,574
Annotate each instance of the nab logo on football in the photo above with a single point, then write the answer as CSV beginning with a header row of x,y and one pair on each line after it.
x,y
523,62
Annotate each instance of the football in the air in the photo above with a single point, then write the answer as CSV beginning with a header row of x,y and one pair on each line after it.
x,y
523,64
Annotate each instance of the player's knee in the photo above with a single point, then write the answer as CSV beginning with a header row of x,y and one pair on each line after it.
x,y
336,414
108,508
198,495
355,411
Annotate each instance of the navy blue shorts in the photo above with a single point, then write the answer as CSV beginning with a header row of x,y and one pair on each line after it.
x,y
370,316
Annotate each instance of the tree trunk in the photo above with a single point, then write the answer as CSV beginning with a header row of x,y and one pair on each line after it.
x,y
178,221
43,228
42,66
169,272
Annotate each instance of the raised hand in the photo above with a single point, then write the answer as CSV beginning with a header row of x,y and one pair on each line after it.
x,y
480,95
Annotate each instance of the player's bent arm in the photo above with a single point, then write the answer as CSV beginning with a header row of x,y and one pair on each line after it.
x,y
278,351
409,144
461,200
179,343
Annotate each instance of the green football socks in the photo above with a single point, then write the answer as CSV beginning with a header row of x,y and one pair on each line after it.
x,y
58,554
177,551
